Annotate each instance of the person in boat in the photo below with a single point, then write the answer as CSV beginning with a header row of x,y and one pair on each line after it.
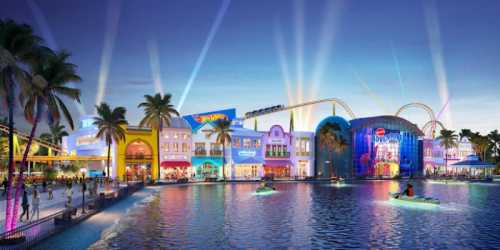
x,y
267,184
408,191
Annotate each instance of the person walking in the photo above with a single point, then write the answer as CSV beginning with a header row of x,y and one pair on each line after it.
x,y
35,205
4,184
25,205
69,194
50,189
44,186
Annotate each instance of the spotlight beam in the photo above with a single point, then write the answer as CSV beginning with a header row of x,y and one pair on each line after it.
x,y
41,21
327,35
398,69
283,61
206,46
372,94
113,18
435,46
154,61
299,51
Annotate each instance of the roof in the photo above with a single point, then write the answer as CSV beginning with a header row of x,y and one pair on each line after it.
x,y
179,122
386,121
472,162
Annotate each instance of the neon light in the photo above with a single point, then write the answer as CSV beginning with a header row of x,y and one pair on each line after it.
x,y
210,118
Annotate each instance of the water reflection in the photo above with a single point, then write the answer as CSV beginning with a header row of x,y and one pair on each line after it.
x,y
306,215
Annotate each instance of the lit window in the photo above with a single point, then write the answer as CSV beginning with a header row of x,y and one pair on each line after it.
x,y
247,142
176,135
176,147
184,147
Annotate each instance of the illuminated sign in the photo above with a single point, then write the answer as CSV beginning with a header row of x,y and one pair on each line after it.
x,y
247,153
85,123
198,120
210,118
380,132
86,140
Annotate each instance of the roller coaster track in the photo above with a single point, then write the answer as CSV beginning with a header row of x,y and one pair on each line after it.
x,y
432,123
26,136
281,108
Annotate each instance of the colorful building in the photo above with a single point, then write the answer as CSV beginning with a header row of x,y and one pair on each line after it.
x,y
331,162
277,152
436,165
246,155
83,142
207,157
175,150
302,154
136,156
385,146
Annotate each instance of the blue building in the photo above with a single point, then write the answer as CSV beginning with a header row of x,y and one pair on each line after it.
x,y
385,146
246,158
331,162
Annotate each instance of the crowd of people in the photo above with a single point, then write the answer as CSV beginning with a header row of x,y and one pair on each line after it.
x,y
90,185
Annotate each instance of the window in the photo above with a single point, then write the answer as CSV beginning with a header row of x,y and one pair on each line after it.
x,y
176,135
247,142
199,146
176,147
257,143
184,136
165,147
184,147
237,143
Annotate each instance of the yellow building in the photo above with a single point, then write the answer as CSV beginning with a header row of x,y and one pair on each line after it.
x,y
136,156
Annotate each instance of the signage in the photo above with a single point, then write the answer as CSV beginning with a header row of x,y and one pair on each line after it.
x,y
247,153
198,120
380,132
86,140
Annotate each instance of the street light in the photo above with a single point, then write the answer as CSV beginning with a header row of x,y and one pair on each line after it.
x,y
126,174
84,188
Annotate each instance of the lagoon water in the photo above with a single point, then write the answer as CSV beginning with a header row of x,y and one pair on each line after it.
x,y
310,215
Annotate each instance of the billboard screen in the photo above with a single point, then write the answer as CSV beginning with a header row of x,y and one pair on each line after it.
x,y
198,120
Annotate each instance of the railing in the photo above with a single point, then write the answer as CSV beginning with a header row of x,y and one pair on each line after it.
x,y
272,154
200,153
29,235
215,152
138,157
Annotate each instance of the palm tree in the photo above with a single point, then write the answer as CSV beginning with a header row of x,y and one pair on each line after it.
x,y
481,144
50,74
158,112
17,43
448,139
109,123
56,133
328,139
494,138
465,133
222,130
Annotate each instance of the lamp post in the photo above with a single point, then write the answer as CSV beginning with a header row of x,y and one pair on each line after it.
x,y
84,188
126,175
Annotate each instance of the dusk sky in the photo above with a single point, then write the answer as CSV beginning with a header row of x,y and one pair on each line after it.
x,y
374,55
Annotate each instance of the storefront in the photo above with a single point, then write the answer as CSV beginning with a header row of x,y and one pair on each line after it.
x,y
277,168
205,167
386,146
175,150
277,148
246,153
302,155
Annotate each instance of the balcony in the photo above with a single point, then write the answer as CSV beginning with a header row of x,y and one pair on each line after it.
x,y
138,157
200,153
215,152
271,154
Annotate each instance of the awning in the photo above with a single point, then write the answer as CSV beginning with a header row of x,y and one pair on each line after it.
x,y
472,162
173,164
277,163
250,160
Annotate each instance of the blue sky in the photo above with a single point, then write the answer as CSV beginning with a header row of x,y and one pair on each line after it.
x,y
374,55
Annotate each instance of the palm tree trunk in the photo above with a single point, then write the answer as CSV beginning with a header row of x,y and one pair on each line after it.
x,y
446,162
12,166
20,179
223,163
158,151
107,160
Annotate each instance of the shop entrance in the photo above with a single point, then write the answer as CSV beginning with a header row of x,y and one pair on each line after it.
x,y
208,170
277,171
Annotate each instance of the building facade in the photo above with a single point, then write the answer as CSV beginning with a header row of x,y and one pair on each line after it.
x,y
246,155
277,153
385,146
175,150
302,154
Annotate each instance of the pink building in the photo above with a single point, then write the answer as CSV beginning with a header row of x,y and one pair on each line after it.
x,y
277,148
175,150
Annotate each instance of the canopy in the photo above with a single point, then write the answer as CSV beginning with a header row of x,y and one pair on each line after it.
x,y
472,162
171,164
277,163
